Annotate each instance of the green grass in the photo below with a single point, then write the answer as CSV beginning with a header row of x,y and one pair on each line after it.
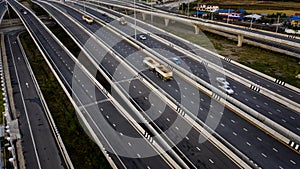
x,y
84,152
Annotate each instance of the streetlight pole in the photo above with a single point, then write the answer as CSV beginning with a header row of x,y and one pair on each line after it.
x,y
188,11
134,20
84,6
277,23
228,16
251,21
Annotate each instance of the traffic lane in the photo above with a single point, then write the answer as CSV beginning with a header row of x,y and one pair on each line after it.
x,y
122,46
105,118
111,62
96,51
202,154
165,118
247,138
231,132
78,16
242,93
49,154
29,154
268,107
271,85
290,94
2,9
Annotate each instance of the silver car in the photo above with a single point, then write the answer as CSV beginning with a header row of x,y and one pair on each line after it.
x,y
226,89
143,37
222,81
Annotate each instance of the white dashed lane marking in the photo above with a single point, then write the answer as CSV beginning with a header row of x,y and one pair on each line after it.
x,y
274,149
264,155
293,162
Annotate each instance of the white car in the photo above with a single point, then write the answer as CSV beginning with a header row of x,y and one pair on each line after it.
x,y
143,37
226,89
222,81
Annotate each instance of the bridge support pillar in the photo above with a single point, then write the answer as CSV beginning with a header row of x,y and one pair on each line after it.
x,y
240,40
167,21
197,29
144,16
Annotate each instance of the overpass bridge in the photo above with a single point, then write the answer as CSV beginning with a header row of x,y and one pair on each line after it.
x,y
240,31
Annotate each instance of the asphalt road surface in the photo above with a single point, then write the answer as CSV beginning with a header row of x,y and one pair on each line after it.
x,y
39,145
255,139
96,108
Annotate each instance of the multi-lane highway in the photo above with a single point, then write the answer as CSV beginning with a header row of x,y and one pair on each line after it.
x,y
141,91
124,106
93,106
279,113
39,145
121,46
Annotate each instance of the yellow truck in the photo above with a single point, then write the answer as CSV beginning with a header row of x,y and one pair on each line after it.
x,y
164,72
161,70
88,19
122,21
